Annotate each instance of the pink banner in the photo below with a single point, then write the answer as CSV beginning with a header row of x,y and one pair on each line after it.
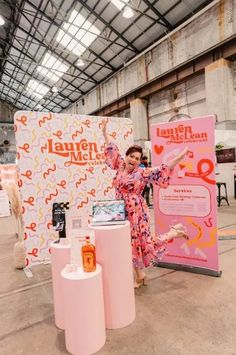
x,y
191,196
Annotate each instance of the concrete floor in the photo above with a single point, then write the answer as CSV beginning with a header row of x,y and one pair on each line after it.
x,y
177,313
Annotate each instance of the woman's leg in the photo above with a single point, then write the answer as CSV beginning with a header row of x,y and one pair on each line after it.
x,y
139,273
141,277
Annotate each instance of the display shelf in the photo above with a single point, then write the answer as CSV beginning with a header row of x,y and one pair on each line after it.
x,y
84,311
113,252
60,256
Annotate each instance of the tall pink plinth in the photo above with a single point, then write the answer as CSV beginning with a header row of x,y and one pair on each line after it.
x,y
60,256
85,331
113,252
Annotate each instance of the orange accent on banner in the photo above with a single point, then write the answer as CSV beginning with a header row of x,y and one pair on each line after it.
x,y
190,154
62,184
104,169
34,252
32,227
100,124
211,242
74,135
25,147
45,174
90,169
107,190
92,192
49,224
49,198
23,120
198,236
58,134
113,135
158,149
28,174
208,223
87,123
201,174
44,147
84,202
128,133
44,119
30,201
80,180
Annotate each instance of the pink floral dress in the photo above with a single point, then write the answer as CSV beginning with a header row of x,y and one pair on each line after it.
x,y
129,187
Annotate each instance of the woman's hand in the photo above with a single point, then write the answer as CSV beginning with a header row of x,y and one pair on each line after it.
x,y
104,126
104,130
177,159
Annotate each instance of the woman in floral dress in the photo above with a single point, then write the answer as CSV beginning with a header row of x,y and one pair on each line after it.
x,y
129,182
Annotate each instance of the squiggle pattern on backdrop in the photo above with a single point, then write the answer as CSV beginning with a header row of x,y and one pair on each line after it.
x,y
44,179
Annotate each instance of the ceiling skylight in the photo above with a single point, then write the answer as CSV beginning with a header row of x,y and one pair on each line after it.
x,y
119,4
52,67
37,89
80,34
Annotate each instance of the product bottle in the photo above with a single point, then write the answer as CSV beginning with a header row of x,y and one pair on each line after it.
x,y
88,256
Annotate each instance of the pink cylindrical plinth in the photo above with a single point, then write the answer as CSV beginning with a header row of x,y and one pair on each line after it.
x,y
113,252
84,311
60,256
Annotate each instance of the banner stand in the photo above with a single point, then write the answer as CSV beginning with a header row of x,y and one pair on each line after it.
x,y
188,268
190,198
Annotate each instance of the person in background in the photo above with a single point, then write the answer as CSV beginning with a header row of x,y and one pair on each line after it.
x,y
146,190
129,182
6,157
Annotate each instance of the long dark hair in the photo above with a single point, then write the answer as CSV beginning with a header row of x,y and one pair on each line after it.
x,y
133,149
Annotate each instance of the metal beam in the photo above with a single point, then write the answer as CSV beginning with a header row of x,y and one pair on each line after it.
x,y
159,15
108,25
73,37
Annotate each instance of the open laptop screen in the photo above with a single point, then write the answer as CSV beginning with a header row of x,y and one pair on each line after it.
x,y
108,212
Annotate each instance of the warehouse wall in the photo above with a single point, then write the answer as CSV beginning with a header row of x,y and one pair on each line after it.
x,y
206,30
188,98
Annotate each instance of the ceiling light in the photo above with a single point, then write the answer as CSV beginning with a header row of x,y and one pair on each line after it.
x,y
37,89
77,34
119,4
80,63
54,89
128,12
52,67
2,21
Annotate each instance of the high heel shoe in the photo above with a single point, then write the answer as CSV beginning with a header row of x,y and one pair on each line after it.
x,y
180,231
141,282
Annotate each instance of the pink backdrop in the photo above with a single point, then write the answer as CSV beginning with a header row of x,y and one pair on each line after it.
x,y
61,158
191,196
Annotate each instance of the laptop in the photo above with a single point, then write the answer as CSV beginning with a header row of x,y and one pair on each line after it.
x,y
108,212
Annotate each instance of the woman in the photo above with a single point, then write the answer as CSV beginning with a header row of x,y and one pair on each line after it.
x,y
129,183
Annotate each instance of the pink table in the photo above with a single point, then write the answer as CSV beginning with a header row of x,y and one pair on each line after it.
x,y
60,256
85,331
113,252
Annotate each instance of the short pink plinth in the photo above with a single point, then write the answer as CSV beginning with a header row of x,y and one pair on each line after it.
x,y
85,331
113,251
60,256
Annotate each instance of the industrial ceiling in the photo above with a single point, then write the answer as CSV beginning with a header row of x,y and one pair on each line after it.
x,y
52,52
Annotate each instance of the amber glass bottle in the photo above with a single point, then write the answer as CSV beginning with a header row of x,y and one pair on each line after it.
x,y
88,256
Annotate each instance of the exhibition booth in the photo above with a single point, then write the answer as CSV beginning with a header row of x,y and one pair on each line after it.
x,y
72,219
